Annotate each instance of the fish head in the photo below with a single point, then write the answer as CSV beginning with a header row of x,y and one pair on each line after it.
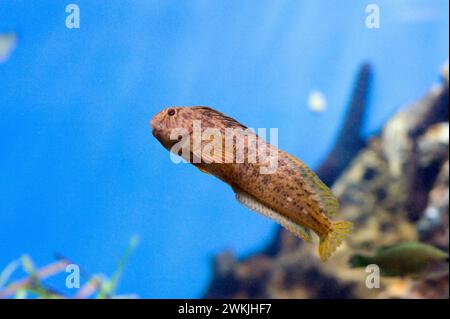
x,y
177,122
170,124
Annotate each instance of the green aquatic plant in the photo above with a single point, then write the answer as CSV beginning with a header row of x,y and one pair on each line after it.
x,y
34,285
109,287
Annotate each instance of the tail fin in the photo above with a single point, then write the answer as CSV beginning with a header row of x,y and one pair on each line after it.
x,y
329,243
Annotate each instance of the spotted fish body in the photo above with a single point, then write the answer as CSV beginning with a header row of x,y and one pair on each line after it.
x,y
292,195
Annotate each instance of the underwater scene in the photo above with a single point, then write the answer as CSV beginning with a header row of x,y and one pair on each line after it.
x,y
274,149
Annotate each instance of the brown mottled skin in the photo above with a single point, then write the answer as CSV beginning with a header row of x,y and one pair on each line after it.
x,y
285,191
274,190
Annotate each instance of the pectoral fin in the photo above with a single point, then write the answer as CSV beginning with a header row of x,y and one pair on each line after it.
x,y
252,203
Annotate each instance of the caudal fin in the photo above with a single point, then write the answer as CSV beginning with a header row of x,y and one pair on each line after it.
x,y
329,243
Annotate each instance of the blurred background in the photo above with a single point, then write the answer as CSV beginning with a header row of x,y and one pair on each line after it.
x,y
80,172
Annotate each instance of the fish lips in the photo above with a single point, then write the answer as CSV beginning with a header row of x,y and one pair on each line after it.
x,y
156,129
155,133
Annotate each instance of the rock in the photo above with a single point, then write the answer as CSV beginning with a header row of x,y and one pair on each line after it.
x,y
433,145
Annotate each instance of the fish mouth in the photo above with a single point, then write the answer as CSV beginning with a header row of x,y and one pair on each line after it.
x,y
155,127
153,123
155,133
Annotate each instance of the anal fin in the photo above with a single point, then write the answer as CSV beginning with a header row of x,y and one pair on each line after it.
x,y
252,203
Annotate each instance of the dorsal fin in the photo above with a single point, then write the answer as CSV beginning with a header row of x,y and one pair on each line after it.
x,y
210,112
325,198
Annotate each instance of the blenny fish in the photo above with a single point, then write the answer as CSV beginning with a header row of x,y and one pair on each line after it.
x,y
292,195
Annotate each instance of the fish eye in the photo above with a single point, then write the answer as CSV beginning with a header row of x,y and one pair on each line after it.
x,y
171,112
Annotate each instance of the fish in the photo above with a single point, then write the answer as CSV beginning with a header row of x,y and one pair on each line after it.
x,y
291,194
413,259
